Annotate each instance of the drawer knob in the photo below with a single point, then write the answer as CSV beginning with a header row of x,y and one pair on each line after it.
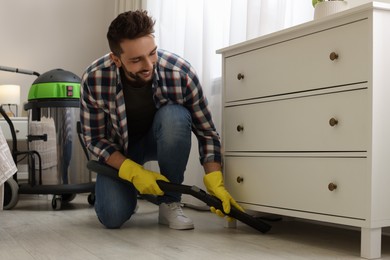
x,y
240,179
332,186
333,56
333,121
240,128
240,76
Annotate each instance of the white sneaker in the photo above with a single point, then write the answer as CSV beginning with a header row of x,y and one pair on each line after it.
x,y
172,215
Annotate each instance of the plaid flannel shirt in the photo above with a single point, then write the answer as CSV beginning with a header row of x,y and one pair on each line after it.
x,y
103,113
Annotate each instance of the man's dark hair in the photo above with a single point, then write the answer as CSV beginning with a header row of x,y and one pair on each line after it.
x,y
129,25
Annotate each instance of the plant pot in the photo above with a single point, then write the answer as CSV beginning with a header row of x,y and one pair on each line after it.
x,y
326,8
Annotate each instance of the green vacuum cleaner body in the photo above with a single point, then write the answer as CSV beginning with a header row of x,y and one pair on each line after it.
x,y
55,84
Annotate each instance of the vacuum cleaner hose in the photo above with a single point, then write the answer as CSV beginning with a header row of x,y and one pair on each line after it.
x,y
212,201
195,191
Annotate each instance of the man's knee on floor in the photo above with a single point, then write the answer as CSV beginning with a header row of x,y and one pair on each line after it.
x,y
113,220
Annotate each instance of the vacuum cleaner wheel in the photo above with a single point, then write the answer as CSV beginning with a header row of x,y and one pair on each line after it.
x,y
11,193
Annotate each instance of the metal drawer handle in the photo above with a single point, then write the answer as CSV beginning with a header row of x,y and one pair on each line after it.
x,y
240,128
333,121
332,186
333,56
240,179
240,76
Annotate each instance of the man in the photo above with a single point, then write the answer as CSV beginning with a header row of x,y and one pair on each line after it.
x,y
138,104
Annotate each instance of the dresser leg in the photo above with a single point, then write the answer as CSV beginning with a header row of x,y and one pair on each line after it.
x,y
230,224
370,246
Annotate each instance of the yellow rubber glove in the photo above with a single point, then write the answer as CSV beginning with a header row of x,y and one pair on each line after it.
x,y
214,185
143,180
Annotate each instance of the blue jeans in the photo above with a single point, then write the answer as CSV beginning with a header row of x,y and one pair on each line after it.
x,y
169,142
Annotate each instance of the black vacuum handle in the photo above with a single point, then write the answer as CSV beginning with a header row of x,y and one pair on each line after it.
x,y
17,70
213,201
196,192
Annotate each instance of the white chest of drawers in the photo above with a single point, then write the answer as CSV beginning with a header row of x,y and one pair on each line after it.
x,y
306,121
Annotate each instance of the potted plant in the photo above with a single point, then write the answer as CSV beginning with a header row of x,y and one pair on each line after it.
x,y
324,8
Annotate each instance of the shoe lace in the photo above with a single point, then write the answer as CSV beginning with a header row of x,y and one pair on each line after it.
x,y
176,206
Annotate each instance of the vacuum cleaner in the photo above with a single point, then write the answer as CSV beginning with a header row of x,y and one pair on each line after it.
x,y
194,191
55,158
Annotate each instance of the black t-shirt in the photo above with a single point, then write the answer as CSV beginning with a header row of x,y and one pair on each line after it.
x,y
140,108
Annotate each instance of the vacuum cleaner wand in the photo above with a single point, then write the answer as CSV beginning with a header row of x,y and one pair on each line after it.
x,y
213,201
194,191
22,71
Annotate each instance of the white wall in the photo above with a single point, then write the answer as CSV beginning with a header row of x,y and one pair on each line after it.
x,y
41,35
353,3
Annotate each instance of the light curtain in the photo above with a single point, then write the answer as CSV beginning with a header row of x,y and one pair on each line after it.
x,y
195,29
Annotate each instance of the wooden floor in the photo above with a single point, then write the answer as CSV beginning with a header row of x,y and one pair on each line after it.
x,y
32,230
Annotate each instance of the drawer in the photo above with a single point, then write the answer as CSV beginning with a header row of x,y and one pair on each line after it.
x,y
299,183
20,125
300,124
301,64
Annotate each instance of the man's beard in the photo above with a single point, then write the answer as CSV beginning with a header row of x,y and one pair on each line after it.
x,y
135,79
